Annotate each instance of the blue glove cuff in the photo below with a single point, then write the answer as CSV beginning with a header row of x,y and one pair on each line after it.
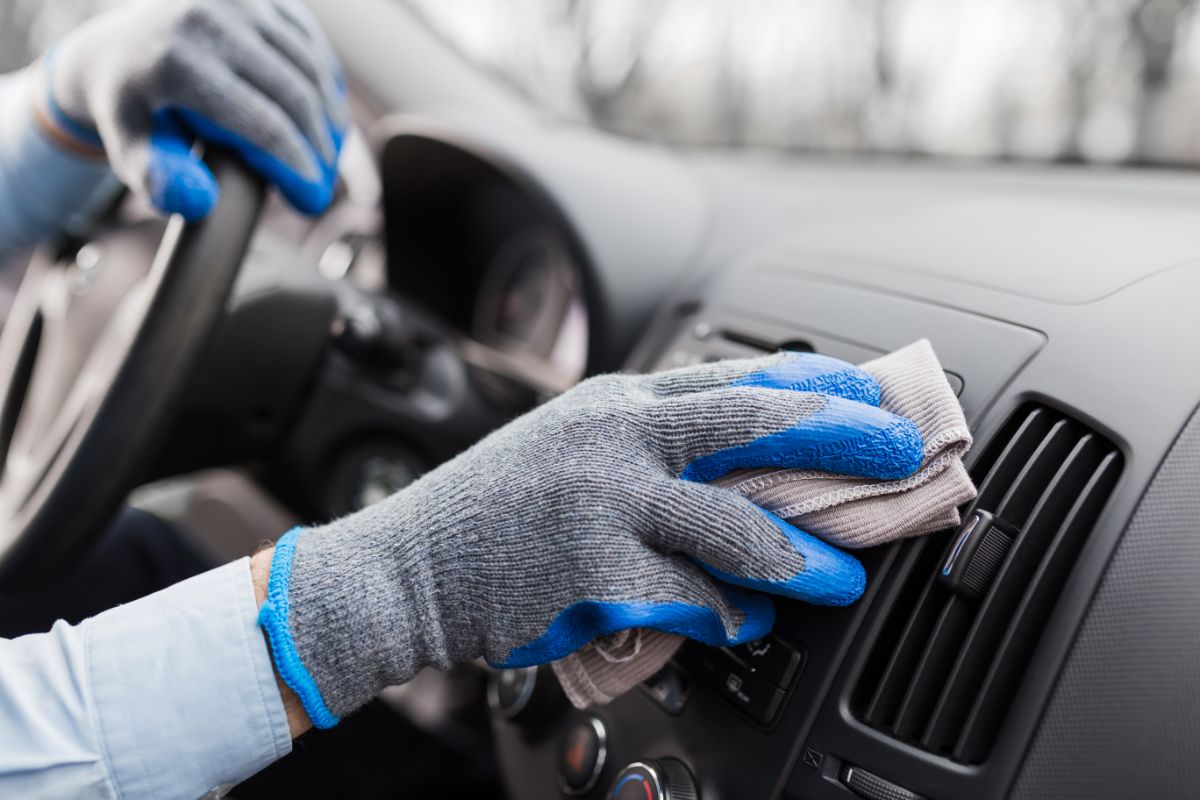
x,y
273,618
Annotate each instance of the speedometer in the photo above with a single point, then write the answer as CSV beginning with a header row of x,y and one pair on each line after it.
x,y
530,303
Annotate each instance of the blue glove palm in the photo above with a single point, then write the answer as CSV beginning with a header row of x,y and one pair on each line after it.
x,y
140,83
587,516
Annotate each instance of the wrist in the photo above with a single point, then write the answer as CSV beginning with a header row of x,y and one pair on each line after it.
x,y
260,573
67,130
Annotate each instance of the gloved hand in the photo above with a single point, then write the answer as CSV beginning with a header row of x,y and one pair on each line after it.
x,y
587,516
257,76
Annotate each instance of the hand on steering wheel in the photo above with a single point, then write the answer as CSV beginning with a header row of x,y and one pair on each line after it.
x,y
257,77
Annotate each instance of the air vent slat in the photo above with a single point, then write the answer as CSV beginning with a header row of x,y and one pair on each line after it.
x,y
1027,488
942,672
979,647
890,676
893,683
1017,646
931,670
1024,442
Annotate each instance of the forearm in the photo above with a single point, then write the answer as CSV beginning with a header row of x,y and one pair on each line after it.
x,y
167,696
44,185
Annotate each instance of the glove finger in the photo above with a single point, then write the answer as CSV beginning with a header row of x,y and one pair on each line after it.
x,y
286,85
683,600
308,48
801,372
291,46
706,435
743,545
258,130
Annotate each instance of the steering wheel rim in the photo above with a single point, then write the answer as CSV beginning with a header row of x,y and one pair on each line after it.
x,y
77,432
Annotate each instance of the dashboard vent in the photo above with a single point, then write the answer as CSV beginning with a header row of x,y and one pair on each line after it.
x,y
951,655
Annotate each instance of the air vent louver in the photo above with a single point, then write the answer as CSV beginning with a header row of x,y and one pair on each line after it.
x,y
943,671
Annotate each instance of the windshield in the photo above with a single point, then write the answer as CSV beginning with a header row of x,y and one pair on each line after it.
x,y
1092,80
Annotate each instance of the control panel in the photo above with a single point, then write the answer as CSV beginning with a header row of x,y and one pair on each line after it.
x,y
753,677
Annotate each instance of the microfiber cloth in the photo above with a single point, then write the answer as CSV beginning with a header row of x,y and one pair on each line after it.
x,y
848,512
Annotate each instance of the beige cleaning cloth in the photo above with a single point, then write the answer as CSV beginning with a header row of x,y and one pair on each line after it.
x,y
849,512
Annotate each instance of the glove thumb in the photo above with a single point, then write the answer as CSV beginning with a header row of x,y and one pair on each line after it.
x,y
177,180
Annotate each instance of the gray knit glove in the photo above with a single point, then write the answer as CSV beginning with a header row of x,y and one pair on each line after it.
x,y
140,82
587,516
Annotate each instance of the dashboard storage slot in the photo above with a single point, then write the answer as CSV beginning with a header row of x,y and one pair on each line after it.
x,y
975,601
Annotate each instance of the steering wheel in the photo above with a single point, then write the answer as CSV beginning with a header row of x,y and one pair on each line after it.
x,y
94,361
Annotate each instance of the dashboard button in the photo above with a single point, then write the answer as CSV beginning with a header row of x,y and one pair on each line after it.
x,y
582,755
956,382
510,690
772,659
665,779
528,697
755,695
668,688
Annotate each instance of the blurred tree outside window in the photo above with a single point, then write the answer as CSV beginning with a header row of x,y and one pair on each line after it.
x,y
29,27
1092,80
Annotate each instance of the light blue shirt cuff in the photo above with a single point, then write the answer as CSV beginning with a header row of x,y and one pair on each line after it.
x,y
43,188
185,691
169,696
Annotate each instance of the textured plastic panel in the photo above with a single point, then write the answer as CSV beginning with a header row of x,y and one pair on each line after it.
x,y
1123,719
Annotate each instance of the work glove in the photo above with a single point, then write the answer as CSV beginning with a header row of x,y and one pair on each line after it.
x,y
588,515
257,76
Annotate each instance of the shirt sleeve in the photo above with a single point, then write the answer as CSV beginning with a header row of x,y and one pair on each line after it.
x,y
43,187
173,695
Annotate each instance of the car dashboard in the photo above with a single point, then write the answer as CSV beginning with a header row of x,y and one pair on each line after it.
x,y
1062,304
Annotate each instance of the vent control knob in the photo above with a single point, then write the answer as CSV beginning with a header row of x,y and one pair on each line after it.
x,y
664,779
980,548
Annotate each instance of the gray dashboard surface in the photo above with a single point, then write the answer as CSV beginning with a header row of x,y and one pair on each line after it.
x,y
1099,229
1125,718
